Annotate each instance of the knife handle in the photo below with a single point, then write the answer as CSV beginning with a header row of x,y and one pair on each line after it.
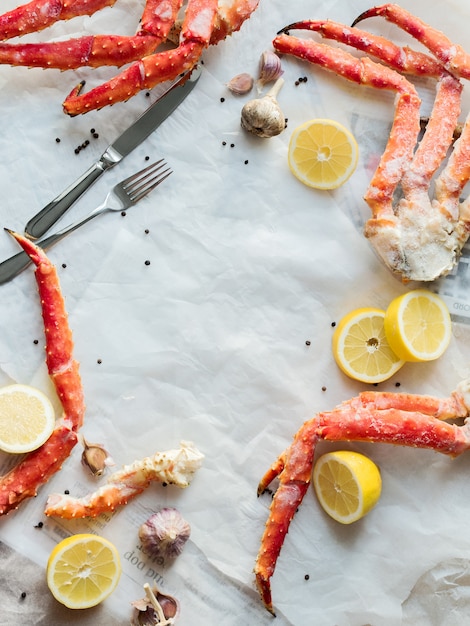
x,y
42,221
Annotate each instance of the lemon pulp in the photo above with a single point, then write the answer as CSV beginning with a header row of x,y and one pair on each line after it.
x,y
347,484
322,153
83,570
361,349
418,325
27,418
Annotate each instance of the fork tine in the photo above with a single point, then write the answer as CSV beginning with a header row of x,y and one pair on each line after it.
x,y
133,177
144,189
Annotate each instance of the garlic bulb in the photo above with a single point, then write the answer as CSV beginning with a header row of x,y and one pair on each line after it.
x,y
241,84
269,68
164,533
263,116
155,608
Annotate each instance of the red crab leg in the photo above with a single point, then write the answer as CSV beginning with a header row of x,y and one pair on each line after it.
x,y
38,14
400,419
154,69
143,74
92,50
436,140
98,50
451,182
405,129
452,56
203,23
230,18
38,466
401,59
438,136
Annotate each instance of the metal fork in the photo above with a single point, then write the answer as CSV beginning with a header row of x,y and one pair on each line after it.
x,y
123,196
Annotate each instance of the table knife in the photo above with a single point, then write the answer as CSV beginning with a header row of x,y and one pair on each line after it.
x,y
114,153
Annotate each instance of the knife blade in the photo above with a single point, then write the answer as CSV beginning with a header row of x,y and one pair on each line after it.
x,y
115,152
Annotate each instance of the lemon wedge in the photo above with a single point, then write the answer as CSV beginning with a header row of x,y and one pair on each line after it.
x,y
418,326
27,418
83,570
347,484
322,153
361,349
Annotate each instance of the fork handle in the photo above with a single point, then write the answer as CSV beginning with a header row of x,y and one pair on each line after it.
x,y
20,261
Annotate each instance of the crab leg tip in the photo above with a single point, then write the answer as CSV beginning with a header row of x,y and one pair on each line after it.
x,y
361,17
284,30
77,89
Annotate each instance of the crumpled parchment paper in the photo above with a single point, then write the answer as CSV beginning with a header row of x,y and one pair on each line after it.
x,y
207,343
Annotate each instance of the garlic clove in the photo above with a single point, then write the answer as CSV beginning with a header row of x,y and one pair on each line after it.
x,y
155,608
164,533
241,84
269,68
95,457
263,117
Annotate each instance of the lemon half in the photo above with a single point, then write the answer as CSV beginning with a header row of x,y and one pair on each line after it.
x,y
361,349
347,484
418,326
83,570
322,153
27,418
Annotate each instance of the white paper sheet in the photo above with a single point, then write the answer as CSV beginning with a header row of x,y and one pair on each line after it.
x,y
208,342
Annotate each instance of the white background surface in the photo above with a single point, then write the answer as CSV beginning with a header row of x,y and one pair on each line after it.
x,y
208,342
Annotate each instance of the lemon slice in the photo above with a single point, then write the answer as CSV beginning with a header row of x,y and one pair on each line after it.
x,y
27,418
418,326
361,349
322,154
347,484
83,570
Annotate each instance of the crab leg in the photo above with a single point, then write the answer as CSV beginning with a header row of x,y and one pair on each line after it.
x,y
38,466
452,56
416,238
175,467
204,23
98,50
92,50
401,59
39,14
405,129
230,17
154,69
400,419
